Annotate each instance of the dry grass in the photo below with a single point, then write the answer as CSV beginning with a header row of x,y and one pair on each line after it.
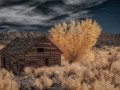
x,y
43,82
101,74
7,81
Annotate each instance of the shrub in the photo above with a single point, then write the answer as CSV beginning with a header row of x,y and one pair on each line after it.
x,y
28,71
70,83
43,82
101,74
103,85
7,81
75,39
98,75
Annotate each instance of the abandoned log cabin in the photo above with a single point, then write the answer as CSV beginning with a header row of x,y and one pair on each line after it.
x,y
33,52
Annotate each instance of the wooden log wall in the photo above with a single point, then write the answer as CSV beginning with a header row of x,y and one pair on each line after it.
x,y
35,58
12,62
6,62
40,54
1,62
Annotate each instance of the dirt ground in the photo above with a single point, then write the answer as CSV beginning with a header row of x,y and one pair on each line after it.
x,y
107,53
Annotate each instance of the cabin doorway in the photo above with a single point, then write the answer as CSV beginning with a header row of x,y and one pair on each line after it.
x,y
47,63
21,65
4,63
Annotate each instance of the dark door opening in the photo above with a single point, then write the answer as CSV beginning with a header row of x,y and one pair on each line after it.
x,y
3,62
47,61
21,65
21,68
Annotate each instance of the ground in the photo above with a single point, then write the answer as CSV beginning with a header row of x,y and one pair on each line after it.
x,y
101,74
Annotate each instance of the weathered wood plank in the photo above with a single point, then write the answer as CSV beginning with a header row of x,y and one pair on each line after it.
x,y
48,43
31,59
38,54
55,60
30,56
34,48
45,45
58,58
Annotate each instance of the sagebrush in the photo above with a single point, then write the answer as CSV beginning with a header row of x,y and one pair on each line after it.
x,y
99,75
7,81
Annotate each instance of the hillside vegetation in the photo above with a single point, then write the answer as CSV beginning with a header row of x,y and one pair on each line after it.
x,y
104,38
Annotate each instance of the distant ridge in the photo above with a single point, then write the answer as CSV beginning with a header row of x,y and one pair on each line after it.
x,y
5,38
109,39
104,39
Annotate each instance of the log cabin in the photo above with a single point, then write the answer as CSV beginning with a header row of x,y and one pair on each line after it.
x,y
29,52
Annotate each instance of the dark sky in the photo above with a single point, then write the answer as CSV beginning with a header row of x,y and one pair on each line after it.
x,y
108,15
41,15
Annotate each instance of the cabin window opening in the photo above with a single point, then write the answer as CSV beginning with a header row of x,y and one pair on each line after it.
x,y
47,61
40,49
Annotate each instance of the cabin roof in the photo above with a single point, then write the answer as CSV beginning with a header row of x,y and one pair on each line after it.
x,y
20,45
